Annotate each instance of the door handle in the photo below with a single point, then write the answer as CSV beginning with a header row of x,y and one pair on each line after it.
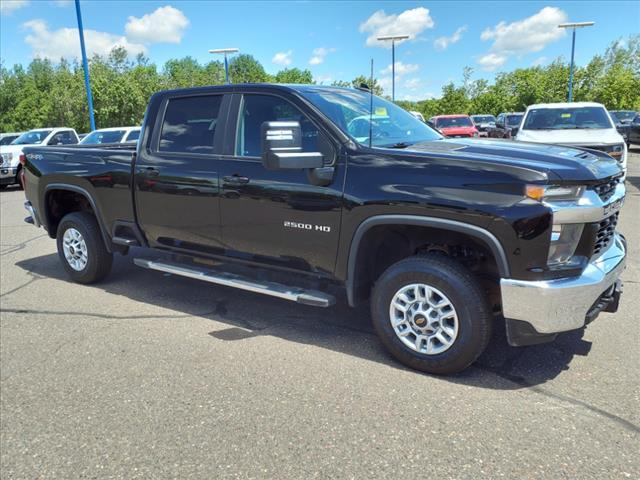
x,y
149,171
235,179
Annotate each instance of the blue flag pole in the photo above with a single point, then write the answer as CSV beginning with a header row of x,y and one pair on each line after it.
x,y
85,66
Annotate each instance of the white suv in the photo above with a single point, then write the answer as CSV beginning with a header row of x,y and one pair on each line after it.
x,y
577,124
10,154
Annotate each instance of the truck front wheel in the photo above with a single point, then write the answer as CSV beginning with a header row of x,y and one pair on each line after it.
x,y
431,314
81,248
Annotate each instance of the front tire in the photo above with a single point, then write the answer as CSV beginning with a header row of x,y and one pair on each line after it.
x,y
431,314
81,248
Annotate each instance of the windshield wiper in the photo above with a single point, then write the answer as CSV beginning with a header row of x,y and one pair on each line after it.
x,y
399,145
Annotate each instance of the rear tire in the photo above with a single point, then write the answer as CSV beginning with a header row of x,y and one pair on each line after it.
x,y
82,249
446,323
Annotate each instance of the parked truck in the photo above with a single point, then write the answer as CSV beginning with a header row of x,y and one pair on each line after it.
x,y
265,188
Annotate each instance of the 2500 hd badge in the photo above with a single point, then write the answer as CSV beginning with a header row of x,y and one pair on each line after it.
x,y
307,226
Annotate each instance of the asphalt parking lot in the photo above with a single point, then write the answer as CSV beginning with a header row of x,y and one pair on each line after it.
x,y
149,376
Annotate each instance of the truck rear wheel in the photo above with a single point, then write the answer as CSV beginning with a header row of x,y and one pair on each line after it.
x,y
81,248
431,314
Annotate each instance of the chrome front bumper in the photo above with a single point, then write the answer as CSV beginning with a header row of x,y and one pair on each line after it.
x,y
7,174
552,306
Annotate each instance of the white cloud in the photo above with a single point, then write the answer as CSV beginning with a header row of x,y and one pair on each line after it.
x,y
319,55
64,42
539,61
63,3
415,97
441,43
323,79
164,25
410,22
412,83
283,58
531,34
401,69
385,83
9,6
491,61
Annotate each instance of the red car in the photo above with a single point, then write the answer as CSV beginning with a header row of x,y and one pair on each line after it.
x,y
455,126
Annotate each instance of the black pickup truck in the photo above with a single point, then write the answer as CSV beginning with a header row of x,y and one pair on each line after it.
x,y
301,192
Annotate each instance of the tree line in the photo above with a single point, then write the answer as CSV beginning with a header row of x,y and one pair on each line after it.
x,y
612,79
53,94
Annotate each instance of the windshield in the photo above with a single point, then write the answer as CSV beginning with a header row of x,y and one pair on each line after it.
x,y
567,118
34,137
623,115
390,125
6,140
452,122
484,119
514,120
108,136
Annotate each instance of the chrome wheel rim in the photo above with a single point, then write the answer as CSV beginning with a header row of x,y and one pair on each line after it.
x,y
75,249
424,318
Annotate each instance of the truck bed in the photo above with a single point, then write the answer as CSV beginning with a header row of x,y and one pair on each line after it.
x,y
105,172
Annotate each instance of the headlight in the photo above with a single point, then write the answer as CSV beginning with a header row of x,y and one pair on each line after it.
x,y
543,193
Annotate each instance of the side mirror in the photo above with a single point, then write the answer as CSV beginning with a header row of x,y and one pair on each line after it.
x,y
282,147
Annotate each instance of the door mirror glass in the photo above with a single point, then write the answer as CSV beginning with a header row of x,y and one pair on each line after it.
x,y
282,147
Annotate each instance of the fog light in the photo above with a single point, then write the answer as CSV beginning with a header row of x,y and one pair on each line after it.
x,y
564,240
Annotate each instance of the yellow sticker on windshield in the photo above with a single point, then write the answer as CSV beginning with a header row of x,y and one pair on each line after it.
x,y
381,111
566,115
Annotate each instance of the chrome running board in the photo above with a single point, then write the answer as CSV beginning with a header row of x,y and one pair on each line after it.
x,y
293,294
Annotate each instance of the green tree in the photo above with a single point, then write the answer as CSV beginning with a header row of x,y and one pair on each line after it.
x,y
293,75
246,69
46,93
359,81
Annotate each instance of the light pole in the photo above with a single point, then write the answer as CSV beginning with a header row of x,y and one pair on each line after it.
x,y
573,47
85,66
393,39
225,52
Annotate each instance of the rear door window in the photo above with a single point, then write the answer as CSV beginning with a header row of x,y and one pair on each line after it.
x,y
189,124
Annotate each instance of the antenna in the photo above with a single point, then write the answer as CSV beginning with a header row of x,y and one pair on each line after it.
x,y
371,105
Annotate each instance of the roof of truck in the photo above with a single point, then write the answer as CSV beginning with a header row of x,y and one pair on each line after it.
x,y
565,105
456,115
277,86
115,129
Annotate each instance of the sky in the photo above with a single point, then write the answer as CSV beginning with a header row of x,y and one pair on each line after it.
x,y
334,40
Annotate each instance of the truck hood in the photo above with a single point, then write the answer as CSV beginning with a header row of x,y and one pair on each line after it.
x,y
579,137
556,162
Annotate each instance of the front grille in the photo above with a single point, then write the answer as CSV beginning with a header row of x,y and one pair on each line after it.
x,y
604,236
606,190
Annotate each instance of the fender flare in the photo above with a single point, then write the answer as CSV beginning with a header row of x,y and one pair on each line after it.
x,y
85,193
486,237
